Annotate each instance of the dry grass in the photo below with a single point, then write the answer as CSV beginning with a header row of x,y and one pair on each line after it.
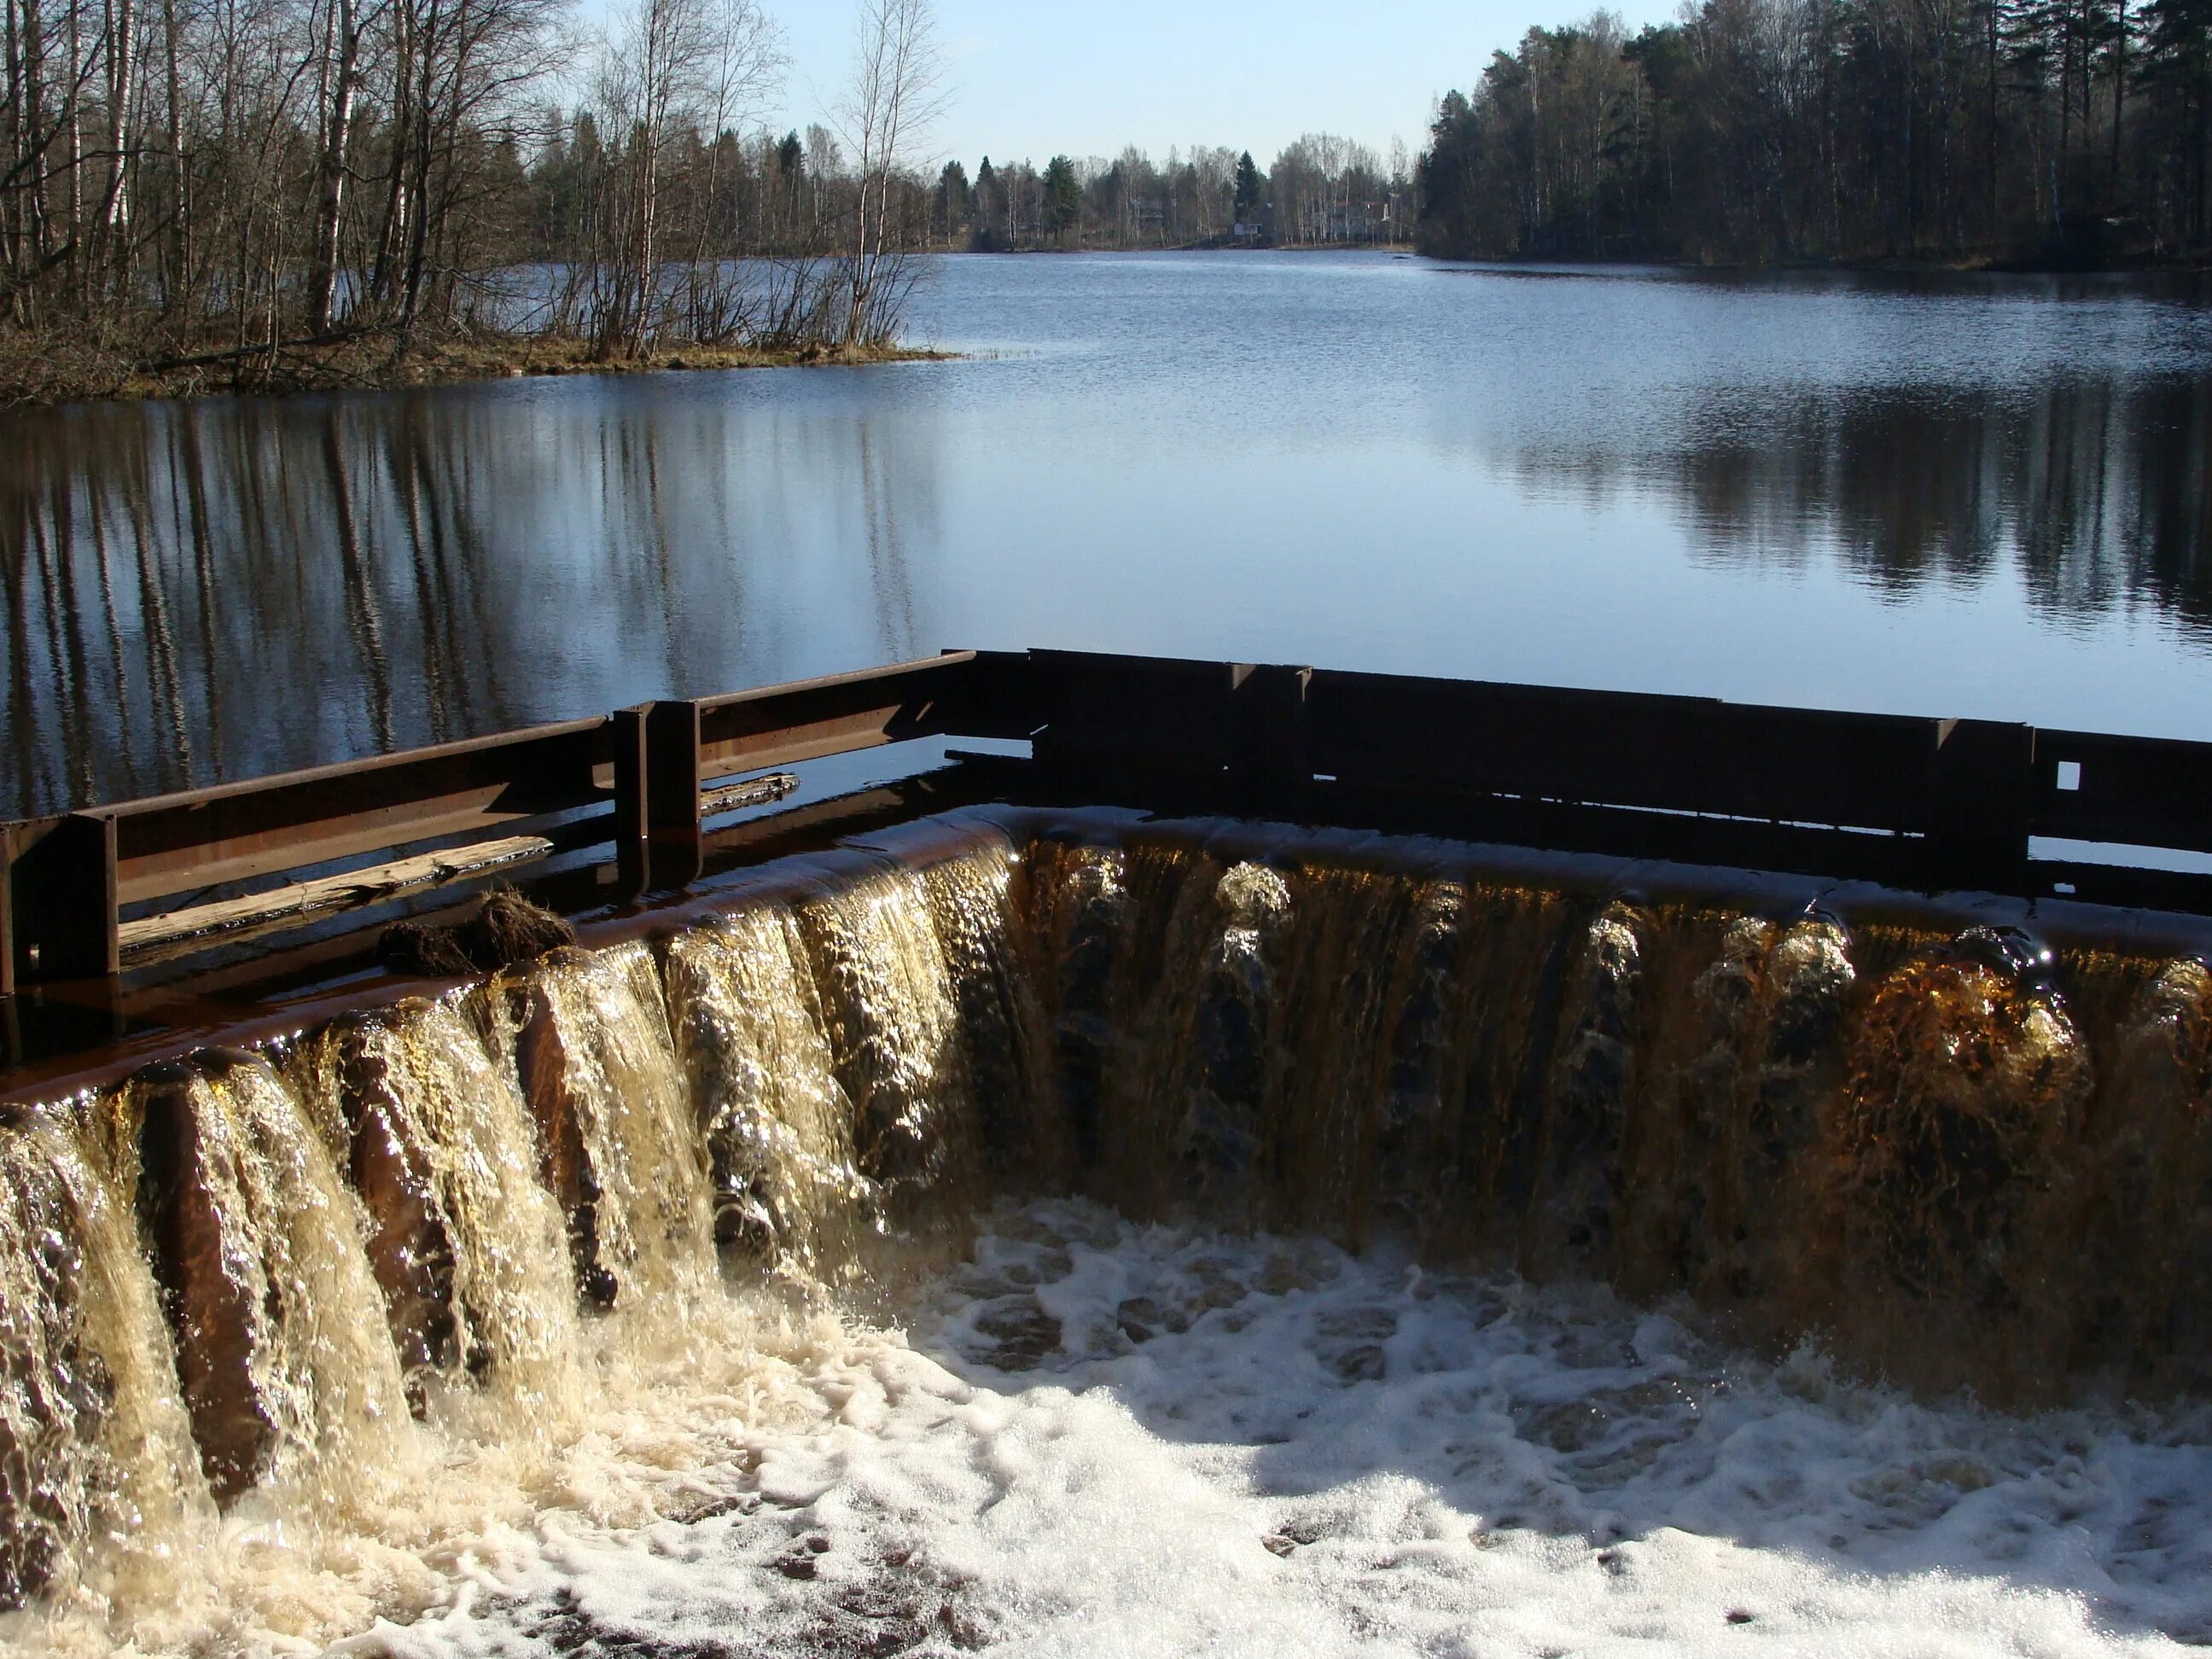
x,y
61,367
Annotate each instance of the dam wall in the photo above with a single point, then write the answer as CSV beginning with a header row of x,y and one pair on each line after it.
x,y
1955,1145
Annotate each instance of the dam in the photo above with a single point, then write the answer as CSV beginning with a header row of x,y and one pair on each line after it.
x,y
1409,1033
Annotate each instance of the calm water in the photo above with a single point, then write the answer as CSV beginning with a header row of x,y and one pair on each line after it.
x,y
1967,496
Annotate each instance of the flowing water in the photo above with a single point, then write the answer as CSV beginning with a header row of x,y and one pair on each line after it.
x,y
1089,1234
1952,496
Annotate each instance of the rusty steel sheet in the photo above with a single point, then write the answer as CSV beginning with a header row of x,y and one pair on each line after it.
x,y
2138,792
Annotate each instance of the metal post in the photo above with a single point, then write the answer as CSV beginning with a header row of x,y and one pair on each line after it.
x,y
62,889
676,846
1981,802
1268,770
630,815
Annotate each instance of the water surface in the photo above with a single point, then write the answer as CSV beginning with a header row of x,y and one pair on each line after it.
x,y
1981,497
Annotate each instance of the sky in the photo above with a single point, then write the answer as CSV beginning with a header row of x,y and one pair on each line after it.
x,y
1028,78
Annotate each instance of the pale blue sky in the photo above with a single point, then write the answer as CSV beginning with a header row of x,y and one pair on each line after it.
x,y
1028,77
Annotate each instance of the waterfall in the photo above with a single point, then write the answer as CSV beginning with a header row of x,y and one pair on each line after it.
x,y
778,1127
283,1357
95,1446
595,1054
294,1284
891,1015
464,1242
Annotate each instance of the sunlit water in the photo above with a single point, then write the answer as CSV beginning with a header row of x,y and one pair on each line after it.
x,y
1973,495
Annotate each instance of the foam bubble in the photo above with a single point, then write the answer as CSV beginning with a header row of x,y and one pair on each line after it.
x,y
1096,1437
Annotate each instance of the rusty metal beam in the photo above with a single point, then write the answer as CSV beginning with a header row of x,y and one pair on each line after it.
x,y
177,843
626,727
973,694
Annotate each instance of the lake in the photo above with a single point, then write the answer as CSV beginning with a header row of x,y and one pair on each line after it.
x,y
1961,495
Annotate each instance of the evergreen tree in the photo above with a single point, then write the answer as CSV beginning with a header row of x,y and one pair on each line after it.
x,y
955,201
1063,197
2177,69
1251,188
988,231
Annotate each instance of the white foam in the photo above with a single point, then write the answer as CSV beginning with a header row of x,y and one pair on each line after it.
x,y
1100,1439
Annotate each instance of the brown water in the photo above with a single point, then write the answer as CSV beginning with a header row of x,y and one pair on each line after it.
x,y
248,1285
1985,496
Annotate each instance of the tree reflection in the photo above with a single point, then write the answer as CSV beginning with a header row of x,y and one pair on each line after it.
x,y
201,591
2094,489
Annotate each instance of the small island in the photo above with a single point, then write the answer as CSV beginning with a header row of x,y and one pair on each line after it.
x,y
389,192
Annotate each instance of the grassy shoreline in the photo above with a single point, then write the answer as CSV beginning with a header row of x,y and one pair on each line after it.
x,y
47,370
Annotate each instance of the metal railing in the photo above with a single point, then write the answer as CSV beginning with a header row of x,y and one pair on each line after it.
x,y
1947,802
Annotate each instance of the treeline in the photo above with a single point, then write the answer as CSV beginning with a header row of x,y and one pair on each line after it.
x,y
2056,132
1321,190
216,184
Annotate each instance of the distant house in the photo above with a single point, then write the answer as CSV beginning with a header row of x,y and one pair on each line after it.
x,y
1248,230
1356,221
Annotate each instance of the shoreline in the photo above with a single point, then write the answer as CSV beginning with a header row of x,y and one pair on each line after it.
x,y
49,372
1901,267
1971,265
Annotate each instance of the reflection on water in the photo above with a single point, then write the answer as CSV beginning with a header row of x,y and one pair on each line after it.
x,y
2095,488
212,591
1968,496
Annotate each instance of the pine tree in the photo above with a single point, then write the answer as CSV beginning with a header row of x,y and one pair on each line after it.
x,y
1251,188
1063,197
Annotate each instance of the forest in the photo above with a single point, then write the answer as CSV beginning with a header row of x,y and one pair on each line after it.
x,y
2047,132
1321,190
244,191
200,192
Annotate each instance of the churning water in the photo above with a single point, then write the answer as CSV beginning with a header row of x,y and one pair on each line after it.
x,y
1948,497
1102,1236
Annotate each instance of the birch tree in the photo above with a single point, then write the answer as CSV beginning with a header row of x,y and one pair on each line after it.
x,y
896,95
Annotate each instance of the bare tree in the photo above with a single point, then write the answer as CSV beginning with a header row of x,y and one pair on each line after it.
x,y
244,191
345,25
897,94
672,69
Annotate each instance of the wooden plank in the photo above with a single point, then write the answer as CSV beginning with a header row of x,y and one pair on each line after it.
x,y
2136,791
2134,888
752,791
1622,748
997,697
1269,766
175,843
325,894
